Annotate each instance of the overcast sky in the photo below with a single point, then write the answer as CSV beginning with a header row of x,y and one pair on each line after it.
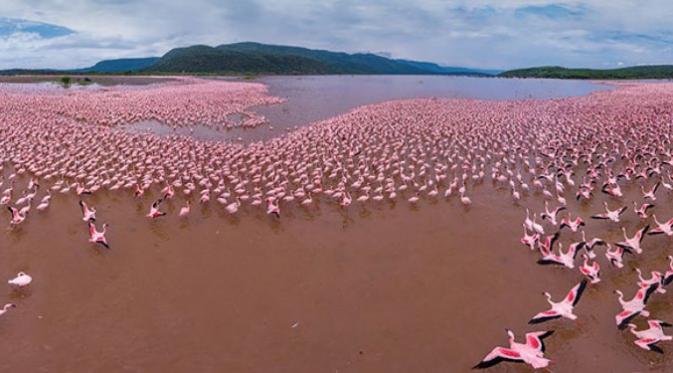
x,y
472,33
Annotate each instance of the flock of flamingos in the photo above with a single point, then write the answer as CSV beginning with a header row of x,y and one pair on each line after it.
x,y
401,152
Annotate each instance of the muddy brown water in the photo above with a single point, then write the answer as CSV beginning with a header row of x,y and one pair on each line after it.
x,y
386,288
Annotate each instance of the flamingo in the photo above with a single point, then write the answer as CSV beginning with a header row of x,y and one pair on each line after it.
x,y
531,352
649,194
616,256
536,226
642,210
272,207
633,243
591,270
610,214
154,209
566,259
465,200
18,217
589,245
633,307
648,338
96,236
564,308
574,225
552,215
612,190
232,208
529,240
184,211
668,276
21,280
6,308
662,228
88,214
655,280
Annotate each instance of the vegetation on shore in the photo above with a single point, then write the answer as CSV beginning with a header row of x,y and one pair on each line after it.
x,y
557,72
67,81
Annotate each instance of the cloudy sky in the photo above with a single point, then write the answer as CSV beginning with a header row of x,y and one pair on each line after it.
x,y
474,33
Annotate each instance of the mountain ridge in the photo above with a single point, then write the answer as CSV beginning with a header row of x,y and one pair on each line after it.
x,y
558,72
247,58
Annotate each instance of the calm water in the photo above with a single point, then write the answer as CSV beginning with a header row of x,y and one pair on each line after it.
x,y
313,98
378,289
381,288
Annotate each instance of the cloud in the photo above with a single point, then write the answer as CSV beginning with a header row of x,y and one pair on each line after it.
x,y
477,33
10,26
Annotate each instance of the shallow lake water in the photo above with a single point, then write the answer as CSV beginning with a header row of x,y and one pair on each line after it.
x,y
384,287
313,98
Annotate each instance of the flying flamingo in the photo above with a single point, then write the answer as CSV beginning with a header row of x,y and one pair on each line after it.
x,y
616,256
633,243
17,216
531,352
648,338
96,236
154,209
610,214
633,307
88,214
563,308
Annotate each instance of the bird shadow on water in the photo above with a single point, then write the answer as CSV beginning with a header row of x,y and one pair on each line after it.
x,y
158,228
364,213
346,220
15,234
275,224
15,293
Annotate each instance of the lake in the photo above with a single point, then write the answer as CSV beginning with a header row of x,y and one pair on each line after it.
x,y
313,98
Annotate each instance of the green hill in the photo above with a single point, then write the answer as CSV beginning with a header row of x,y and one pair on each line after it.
x,y
121,65
557,72
242,58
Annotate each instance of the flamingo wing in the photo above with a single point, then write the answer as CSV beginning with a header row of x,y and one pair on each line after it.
x,y
641,233
544,316
624,246
558,209
535,340
649,344
624,317
552,240
103,242
498,355
656,230
649,292
549,261
575,293
600,216
668,277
